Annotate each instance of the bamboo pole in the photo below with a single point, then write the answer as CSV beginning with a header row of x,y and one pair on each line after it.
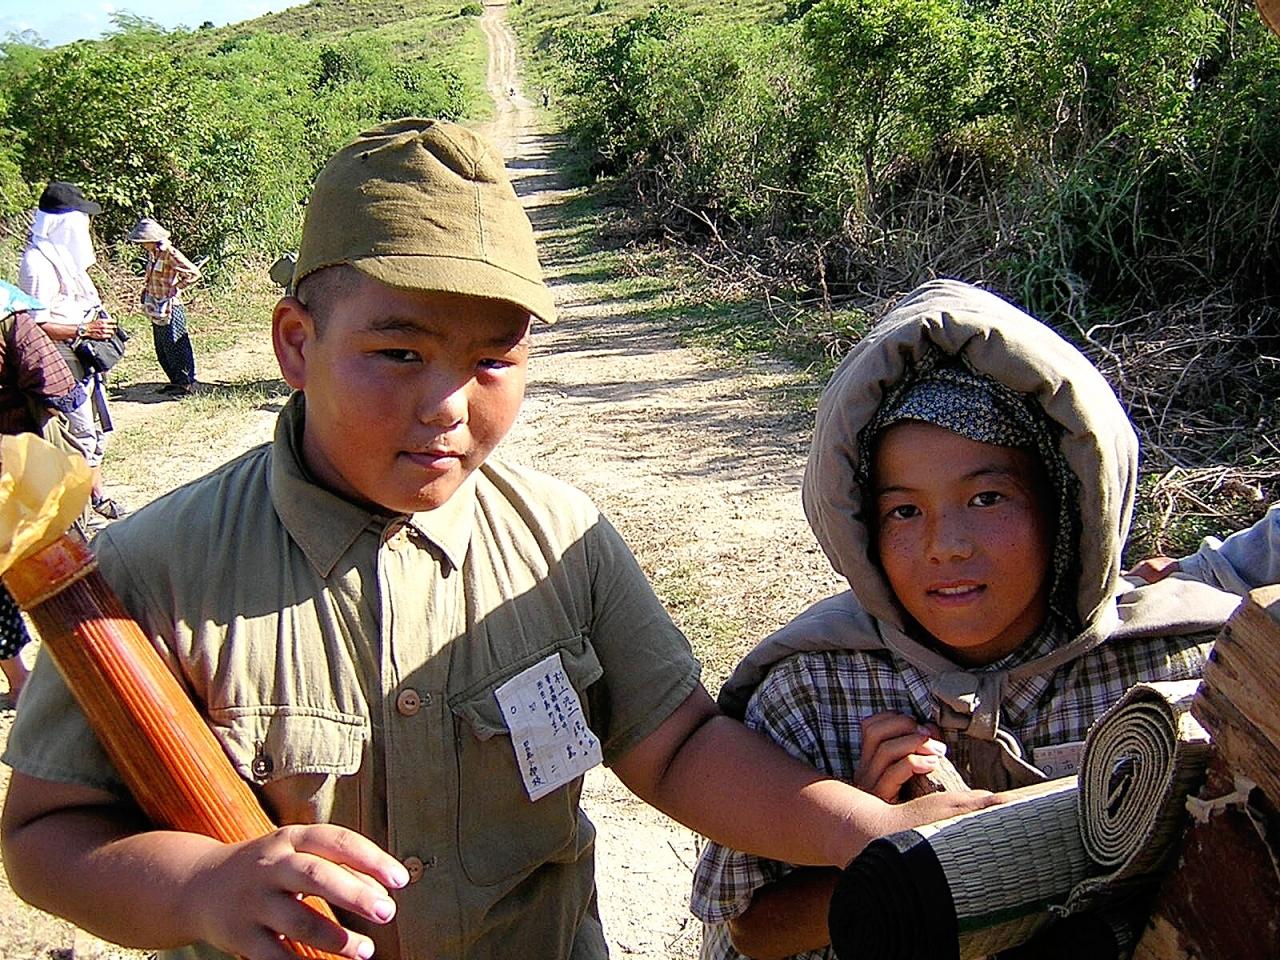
x,y
163,749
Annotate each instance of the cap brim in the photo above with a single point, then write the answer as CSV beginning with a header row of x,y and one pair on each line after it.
x,y
461,275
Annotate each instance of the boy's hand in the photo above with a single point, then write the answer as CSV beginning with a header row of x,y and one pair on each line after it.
x,y
894,749
936,806
244,898
1155,569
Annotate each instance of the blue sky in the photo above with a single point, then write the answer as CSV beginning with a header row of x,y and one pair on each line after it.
x,y
61,21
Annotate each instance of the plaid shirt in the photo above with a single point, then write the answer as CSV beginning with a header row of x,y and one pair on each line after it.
x,y
812,705
168,272
32,372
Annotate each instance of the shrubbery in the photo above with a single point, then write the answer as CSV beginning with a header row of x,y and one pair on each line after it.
x,y
220,146
1090,155
1112,164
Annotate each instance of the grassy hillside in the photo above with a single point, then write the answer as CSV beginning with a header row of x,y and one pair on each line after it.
x,y
413,30
249,113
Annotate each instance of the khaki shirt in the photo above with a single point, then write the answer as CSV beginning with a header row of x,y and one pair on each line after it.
x,y
347,663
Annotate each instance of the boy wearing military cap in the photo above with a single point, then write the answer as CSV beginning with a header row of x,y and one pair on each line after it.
x,y
412,650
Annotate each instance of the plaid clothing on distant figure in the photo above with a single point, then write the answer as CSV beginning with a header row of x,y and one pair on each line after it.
x,y
32,371
812,704
168,272
173,347
13,632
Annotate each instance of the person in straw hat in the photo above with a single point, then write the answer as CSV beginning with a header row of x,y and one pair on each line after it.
x,y
412,649
168,274
972,476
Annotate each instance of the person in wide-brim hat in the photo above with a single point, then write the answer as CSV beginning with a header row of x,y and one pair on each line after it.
x,y
168,274
147,230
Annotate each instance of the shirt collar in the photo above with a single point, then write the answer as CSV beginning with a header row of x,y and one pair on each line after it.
x,y
326,525
449,525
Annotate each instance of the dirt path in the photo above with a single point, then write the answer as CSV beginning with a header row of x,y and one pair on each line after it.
x,y
686,457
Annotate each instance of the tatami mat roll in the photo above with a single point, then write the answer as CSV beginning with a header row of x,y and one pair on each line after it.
x,y
1142,759
965,887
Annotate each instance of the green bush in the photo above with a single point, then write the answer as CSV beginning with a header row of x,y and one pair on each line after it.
x,y
471,10
1090,155
221,147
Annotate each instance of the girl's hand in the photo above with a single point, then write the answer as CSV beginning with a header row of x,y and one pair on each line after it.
x,y
895,747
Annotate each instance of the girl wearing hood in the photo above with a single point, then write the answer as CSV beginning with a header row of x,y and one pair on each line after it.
x,y
972,475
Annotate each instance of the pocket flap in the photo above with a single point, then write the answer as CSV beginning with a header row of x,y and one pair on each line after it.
x,y
478,706
268,743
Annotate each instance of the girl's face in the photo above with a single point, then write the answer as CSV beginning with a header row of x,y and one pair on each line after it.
x,y
964,538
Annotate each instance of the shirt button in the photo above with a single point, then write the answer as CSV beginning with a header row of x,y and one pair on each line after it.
x,y
408,702
262,766
414,866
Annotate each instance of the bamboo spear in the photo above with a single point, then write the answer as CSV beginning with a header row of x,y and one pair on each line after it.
x,y
164,751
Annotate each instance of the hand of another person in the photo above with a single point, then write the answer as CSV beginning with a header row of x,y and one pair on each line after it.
x,y
243,898
894,749
100,327
935,807
1155,569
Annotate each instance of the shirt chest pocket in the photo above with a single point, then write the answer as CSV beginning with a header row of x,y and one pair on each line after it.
x,y
501,832
294,756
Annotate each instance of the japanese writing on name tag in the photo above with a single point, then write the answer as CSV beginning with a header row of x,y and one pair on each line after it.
x,y
1059,760
552,741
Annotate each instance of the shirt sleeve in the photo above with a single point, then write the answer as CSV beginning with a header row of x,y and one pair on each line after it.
x,y
1247,559
785,708
42,373
649,668
185,273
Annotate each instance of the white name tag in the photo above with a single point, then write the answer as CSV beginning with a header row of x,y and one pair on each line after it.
x,y
552,741
1060,759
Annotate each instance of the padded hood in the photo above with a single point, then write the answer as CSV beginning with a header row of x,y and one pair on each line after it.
x,y
1001,341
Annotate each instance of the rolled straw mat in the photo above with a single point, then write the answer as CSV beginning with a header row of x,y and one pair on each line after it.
x,y
987,881
1141,760
966,887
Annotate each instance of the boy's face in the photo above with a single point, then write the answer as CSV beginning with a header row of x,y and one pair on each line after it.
x,y
407,392
963,538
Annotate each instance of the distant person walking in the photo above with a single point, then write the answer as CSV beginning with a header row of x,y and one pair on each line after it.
x,y
168,274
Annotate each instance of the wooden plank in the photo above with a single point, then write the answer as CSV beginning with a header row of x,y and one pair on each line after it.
x,y
1222,901
1239,702
1237,741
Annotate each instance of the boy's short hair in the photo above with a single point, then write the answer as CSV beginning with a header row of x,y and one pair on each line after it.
x,y
322,288
424,205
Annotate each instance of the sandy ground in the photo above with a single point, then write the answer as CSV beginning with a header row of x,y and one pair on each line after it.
x,y
686,456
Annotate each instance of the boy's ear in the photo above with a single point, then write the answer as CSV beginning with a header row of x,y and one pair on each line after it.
x,y
292,330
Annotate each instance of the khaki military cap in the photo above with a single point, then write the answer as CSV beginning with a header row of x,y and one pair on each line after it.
x,y
425,205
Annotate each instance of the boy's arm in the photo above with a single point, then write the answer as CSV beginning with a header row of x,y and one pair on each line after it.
x,y
81,854
737,788
786,917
